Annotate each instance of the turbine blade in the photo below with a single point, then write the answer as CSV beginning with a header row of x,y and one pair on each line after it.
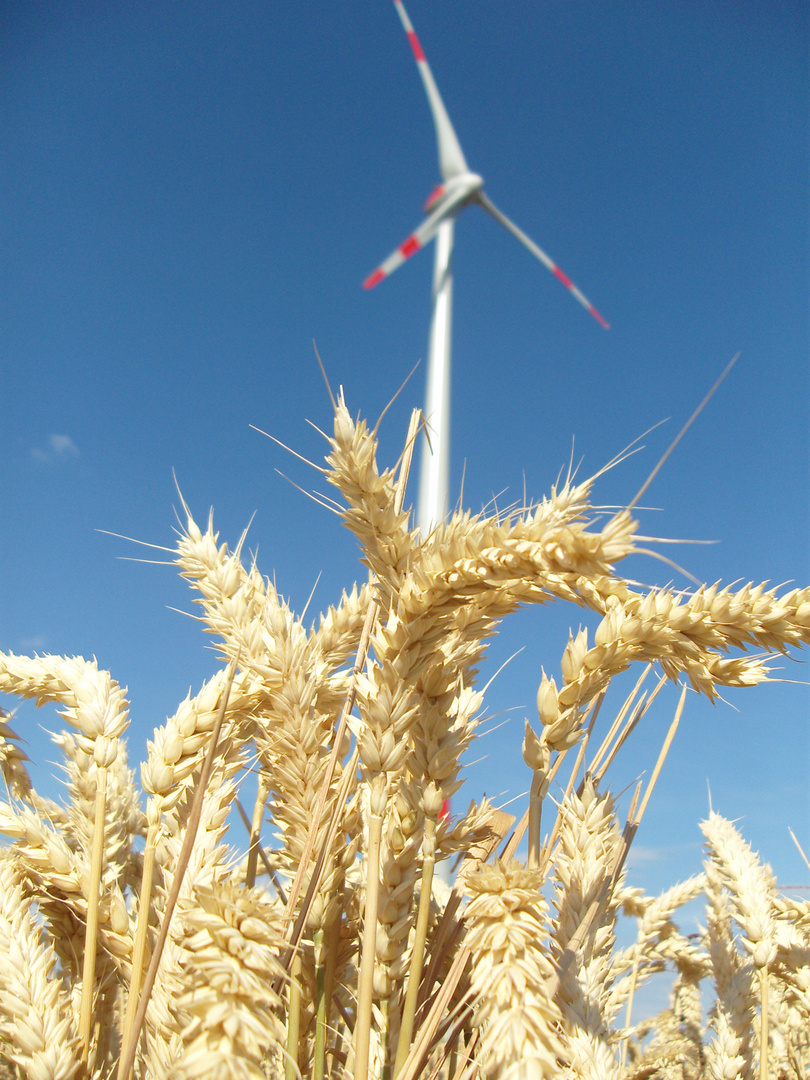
x,y
451,157
541,255
408,247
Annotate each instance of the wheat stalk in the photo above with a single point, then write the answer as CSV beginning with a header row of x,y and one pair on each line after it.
x,y
175,961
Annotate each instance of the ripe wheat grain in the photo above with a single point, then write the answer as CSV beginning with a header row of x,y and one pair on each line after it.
x,y
391,974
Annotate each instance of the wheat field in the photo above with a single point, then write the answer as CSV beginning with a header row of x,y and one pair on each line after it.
x,y
139,939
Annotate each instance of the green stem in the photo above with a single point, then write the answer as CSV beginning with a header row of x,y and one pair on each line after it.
x,y
385,1037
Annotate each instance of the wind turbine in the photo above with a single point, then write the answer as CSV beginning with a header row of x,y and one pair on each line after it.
x,y
458,189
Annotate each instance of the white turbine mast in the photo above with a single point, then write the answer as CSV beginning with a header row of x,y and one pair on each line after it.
x,y
458,189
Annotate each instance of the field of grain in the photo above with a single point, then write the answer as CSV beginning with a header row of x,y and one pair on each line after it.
x,y
135,940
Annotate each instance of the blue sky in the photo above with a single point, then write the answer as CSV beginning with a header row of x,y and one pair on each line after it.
x,y
192,193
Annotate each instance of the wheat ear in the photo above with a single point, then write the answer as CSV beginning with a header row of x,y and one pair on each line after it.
x,y
128,1052
36,1020
752,892
231,942
506,937
96,707
12,760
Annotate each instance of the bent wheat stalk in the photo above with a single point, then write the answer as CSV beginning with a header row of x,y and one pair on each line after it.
x,y
419,991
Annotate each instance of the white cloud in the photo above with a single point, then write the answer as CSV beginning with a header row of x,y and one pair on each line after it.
x,y
641,855
63,445
58,448
34,644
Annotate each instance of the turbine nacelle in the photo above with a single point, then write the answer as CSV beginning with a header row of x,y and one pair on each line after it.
x,y
458,189
444,202
454,192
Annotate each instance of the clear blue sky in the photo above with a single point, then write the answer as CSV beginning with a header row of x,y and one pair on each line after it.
x,y
193,192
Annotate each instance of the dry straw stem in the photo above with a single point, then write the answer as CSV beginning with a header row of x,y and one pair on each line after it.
x,y
128,1051
96,708
212,1004
438,1004
362,1030
255,849
88,974
433,805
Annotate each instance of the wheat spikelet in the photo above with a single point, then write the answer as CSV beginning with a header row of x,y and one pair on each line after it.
x,y
658,941
729,1054
791,964
432,638
297,693
688,1013
298,690
124,819
93,703
229,1011
491,992
588,839
12,760
57,879
506,932
95,707
339,628
372,513
208,862
37,1030
750,886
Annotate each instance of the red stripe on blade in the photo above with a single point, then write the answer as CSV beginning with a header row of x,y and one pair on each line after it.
x,y
566,281
373,279
409,247
434,196
598,317
417,48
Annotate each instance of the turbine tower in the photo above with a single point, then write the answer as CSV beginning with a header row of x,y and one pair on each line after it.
x,y
458,189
